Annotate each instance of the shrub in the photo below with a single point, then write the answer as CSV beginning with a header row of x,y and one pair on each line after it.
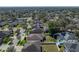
x,y
22,42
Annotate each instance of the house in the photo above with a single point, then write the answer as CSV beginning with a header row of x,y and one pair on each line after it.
x,y
31,48
37,25
71,47
2,23
65,39
7,33
36,40
71,43
70,36
66,36
20,21
1,37
37,21
37,30
35,37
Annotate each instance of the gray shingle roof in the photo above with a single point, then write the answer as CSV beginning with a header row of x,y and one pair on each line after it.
x,y
72,47
1,37
35,37
31,48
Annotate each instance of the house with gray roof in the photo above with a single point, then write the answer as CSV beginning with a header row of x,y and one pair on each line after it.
x,y
71,47
1,37
35,37
31,48
37,30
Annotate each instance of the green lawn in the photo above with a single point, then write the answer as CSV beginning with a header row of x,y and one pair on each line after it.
x,y
49,48
50,39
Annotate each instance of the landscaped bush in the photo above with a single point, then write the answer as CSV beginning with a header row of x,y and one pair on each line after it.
x,y
22,42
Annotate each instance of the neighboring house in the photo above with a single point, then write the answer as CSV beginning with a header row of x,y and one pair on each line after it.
x,y
3,34
70,37
2,23
1,37
20,21
38,21
69,40
37,25
37,30
71,47
65,36
35,37
71,43
7,33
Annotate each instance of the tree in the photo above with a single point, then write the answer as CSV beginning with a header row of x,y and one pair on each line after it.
x,y
53,27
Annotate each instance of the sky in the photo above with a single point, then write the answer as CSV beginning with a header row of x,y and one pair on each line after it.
x,y
39,2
